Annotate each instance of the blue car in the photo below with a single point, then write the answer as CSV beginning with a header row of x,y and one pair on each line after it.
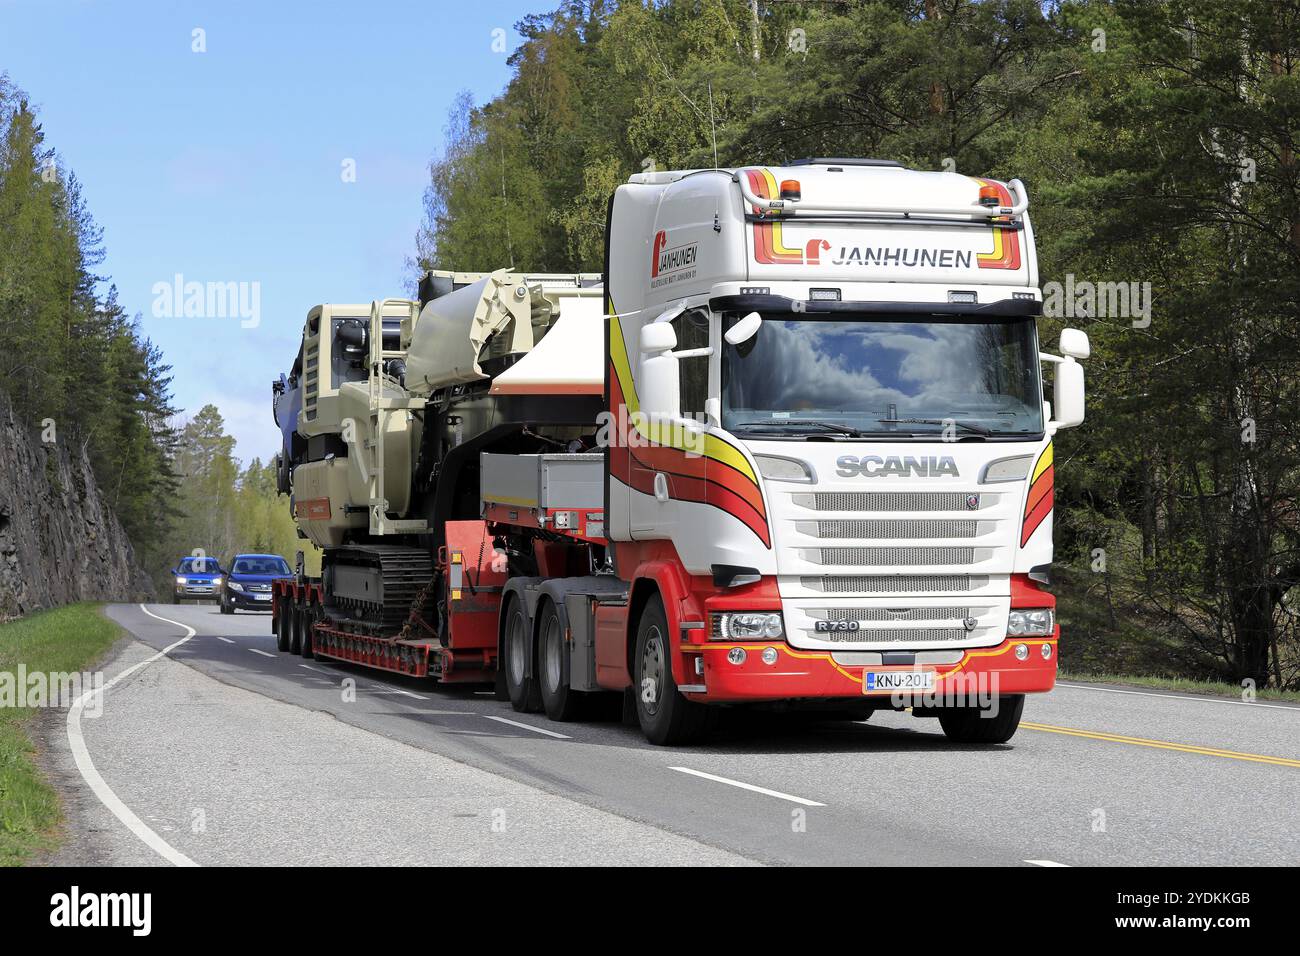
x,y
197,579
248,582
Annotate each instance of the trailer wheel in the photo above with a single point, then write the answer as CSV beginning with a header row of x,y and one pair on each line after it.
x,y
308,641
973,725
666,717
524,696
559,700
282,626
295,628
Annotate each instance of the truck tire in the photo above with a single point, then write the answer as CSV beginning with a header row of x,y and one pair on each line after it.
x,y
295,628
971,725
666,717
559,700
283,623
305,620
516,652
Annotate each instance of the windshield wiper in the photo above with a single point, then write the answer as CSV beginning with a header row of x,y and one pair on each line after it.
x,y
777,424
965,426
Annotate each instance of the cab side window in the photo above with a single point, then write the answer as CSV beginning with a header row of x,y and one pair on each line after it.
x,y
692,330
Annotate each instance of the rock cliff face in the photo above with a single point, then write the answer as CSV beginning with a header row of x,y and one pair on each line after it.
x,y
59,539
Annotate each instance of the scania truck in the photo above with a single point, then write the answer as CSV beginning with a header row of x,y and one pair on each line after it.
x,y
792,449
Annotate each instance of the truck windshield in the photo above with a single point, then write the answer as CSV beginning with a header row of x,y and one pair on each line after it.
x,y
875,374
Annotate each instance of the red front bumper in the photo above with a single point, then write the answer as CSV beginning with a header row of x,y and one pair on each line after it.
x,y
798,673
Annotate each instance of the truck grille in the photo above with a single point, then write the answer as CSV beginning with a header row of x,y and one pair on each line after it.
x,y
891,528
892,557
895,583
900,635
884,501
866,614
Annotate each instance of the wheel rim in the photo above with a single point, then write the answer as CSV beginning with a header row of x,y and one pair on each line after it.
x,y
652,670
515,647
553,647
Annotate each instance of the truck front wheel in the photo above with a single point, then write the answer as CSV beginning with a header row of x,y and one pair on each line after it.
x,y
522,689
666,717
976,725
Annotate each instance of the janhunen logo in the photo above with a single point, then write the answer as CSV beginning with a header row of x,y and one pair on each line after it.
x,y
76,909
665,260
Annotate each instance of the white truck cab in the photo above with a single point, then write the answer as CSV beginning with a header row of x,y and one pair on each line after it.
x,y
831,394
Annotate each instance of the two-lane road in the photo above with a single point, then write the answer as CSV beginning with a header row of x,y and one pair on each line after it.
x,y
244,754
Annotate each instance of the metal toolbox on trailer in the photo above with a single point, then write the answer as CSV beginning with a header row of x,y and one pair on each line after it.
x,y
543,482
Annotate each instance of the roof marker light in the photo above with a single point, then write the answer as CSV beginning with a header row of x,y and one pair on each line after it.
x,y
790,189
989,196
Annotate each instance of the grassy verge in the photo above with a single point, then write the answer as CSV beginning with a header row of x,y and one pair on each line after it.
x,y
1181,685
65,640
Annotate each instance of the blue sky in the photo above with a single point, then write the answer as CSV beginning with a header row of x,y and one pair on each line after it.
x,y
228,165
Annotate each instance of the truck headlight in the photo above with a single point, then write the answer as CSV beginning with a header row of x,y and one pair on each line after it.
x,y
747,626
1031,622
235,586
783,469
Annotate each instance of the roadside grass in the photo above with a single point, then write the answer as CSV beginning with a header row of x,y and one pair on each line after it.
x,y
64,640
1180,684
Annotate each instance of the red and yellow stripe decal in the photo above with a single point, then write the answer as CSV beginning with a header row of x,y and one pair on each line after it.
x,y
1006,242
718,474
1038,505
769,249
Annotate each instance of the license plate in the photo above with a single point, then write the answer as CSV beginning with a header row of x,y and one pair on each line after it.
x,y
889,681
262,597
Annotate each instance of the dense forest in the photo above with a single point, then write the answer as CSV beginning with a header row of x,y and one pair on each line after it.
x,y
78,369
1158,139
72,362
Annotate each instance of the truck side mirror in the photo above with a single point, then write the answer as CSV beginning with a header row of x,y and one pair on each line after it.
x,y
744,330
1074,343
659,384
1067,394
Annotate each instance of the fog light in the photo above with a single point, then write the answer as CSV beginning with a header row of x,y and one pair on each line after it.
x,y
737,655
1022,652
1047,652
769,655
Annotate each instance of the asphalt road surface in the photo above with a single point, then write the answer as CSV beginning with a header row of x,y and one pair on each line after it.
x,y
224,752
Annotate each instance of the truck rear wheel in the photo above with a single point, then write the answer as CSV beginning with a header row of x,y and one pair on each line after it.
x,y
975,725
518,649
666,717
559,700
283,623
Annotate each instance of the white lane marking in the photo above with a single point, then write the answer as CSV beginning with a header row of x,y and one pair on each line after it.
x,y
226,639
536,730
97,784
748,786
409,694
1208,700
263,653
310,668
1047,863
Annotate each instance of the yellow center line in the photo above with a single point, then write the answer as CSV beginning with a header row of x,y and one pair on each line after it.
x,y
1161,744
